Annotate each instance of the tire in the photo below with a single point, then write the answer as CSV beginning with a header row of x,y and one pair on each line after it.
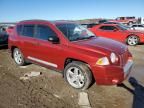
x,y
18,57
81,76
130,23
133,40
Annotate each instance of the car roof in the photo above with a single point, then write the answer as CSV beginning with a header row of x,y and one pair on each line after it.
x,y
108,24
62,22
46,21
103,24
137,24
111,22
33,20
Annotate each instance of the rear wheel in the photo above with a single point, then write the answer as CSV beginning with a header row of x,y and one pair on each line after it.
x,y
78,75
130,23
132,40
18,57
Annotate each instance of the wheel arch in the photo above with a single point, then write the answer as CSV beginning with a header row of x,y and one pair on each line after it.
x,y
130,22
69,60
132,34
12,49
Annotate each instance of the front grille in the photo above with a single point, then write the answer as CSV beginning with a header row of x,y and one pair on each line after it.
x,y
123,58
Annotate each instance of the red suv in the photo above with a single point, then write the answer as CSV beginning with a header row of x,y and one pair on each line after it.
x,y
71,49
126,20
119,32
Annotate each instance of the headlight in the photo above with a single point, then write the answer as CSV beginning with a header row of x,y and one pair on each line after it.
x,y
113,58
103,61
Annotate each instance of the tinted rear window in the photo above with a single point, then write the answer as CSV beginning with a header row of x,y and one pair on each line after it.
x,y
28,30
19,29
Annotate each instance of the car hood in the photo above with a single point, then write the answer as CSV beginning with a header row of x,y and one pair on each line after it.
x,y
101,45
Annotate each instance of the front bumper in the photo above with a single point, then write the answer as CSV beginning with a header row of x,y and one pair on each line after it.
x,y
110,75
142,39
127,68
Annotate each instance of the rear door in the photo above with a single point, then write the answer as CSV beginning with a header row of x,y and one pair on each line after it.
x,y
28,44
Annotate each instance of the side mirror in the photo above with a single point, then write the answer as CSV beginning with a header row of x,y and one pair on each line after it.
x,y
54,39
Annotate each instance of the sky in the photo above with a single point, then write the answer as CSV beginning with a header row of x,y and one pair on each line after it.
x,y
17,10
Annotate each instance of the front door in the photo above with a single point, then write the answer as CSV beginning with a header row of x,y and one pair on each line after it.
x,y
111,32
48,53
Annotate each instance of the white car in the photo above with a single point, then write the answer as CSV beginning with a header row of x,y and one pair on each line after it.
x,y
137,27
142,20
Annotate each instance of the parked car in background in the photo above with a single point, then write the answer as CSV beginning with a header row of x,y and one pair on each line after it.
x,y
3,37
111,22
71,49
142,20
89,25
9,29
139,27
119,32
125,20
102,21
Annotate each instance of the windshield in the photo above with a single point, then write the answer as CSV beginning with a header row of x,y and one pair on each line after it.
x,y
123,27
75,32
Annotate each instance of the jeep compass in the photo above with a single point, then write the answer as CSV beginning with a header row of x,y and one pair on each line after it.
x,y
71,49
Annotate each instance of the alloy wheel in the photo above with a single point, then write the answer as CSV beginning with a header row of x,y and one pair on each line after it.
x,y
133,40
18,56
75,77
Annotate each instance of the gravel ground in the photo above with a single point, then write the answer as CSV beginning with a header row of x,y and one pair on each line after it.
x,y
49,90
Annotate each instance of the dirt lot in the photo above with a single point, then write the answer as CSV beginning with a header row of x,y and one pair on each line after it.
x,y
49,90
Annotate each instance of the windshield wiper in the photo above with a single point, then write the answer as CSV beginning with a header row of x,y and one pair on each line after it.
x,y
80,38
90,37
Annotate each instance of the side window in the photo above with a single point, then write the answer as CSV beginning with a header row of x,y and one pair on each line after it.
x,y
44,32
28,30
63,29
134,25
19,29
140,26
107,28
122,18
103,28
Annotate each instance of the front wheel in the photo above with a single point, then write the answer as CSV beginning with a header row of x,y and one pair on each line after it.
x,y
132,40
78,75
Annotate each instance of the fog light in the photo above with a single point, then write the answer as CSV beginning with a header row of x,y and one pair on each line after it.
x,y
115,81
